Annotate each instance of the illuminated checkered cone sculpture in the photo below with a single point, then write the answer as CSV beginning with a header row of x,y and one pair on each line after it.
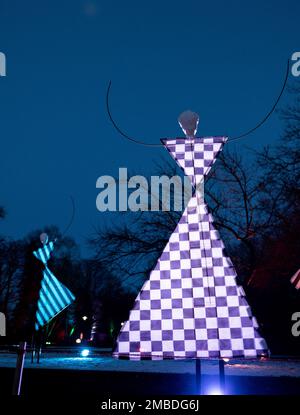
x,y
191,306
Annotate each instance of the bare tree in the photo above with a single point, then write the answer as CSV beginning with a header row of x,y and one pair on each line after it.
x,y
2,212
130,247
281,163
10,267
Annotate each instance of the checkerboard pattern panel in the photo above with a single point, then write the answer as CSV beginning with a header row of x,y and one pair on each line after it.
x,y
195,156
191,306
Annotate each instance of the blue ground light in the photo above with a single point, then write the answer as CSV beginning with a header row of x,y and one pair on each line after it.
x,y
84,353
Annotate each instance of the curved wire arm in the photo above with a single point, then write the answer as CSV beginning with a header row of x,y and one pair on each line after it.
x,y
71,219
134,140
271,110
140,142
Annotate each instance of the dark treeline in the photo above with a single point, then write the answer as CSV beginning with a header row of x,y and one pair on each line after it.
x,y
100,300
255,201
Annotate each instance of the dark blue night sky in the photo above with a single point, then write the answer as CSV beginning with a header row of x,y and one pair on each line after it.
x,y
224,59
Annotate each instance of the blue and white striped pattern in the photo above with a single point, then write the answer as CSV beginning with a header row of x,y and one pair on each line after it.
x,y
54,296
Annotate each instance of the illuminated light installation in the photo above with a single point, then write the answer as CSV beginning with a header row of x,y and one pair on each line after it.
x,y
191,306
295,280
215,391
54,297
85,353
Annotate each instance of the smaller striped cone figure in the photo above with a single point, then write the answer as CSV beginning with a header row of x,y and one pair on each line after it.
x,y
54,297
191,306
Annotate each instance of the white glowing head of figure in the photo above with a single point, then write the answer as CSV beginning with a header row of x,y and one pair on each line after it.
x,y
188,121
43,238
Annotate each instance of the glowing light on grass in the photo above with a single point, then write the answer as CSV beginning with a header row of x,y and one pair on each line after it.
x,y
215,391
85,353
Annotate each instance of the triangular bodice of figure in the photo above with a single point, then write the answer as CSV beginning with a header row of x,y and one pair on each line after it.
x,y
191,305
